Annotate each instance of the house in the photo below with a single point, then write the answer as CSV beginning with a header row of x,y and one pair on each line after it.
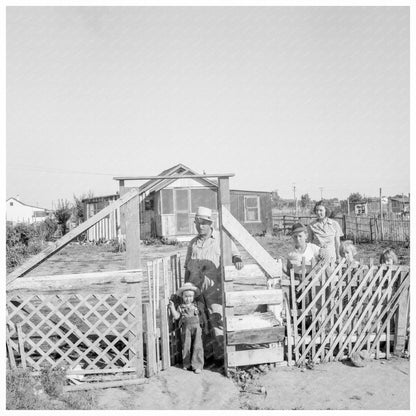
x,y
367,206
168,206
399,204
17,212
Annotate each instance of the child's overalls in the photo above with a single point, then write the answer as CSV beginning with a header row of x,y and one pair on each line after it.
x,y
191,334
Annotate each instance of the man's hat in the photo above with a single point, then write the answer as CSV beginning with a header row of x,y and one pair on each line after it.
x,y
188,286
204,213
298,228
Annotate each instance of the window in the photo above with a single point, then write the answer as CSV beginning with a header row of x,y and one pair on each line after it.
x,y
252,209
11,204
203,197
167,201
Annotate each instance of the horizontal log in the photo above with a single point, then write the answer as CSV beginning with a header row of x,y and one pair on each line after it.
x,y
257,336
258,297
105,384
252,321
273,354
82,281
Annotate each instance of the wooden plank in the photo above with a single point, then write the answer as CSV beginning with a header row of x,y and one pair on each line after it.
x,y
81,281
246,322
256,356
401,322
256,336
21,345
164,334
254,297
138,326
294,313
132,212
10,351
289,329
248,271
177,176
53,248
250,244
150,341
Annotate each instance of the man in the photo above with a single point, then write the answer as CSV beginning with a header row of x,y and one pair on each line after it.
x,y
202,268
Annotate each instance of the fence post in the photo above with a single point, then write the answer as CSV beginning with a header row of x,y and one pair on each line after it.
x,y
371,230
401,319
150,341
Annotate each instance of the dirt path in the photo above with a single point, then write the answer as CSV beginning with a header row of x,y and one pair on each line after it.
x,y
379,385
175,389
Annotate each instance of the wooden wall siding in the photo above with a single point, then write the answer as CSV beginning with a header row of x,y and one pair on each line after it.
x,y
238,211
89,320
333,314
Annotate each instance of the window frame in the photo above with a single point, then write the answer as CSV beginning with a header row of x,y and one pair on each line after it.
x,y
258,209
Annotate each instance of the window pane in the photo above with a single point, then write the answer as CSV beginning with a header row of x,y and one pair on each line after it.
x,y
181,199
203,197
252,214
167,201
251,202
182,223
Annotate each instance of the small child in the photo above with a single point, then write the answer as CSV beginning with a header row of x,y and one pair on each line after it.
x,y
388,257
190,314
347,250
301,250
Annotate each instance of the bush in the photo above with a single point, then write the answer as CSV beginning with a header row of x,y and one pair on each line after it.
x,y
19,390
53,380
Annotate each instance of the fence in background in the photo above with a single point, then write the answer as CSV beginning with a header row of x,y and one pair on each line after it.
x,y
357,228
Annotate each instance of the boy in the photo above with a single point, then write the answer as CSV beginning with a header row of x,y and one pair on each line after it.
x,y
302,250
190,315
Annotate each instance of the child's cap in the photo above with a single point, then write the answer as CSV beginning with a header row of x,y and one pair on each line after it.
x,y
188,286
298,228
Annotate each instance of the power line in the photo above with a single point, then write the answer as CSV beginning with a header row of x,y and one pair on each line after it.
x,y
56,170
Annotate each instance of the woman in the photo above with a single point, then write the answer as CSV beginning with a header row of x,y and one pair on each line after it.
x,y
325,232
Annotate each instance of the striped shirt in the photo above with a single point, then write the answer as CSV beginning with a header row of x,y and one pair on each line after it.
x,y
323,233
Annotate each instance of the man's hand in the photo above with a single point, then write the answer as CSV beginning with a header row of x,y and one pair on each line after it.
x,y
238,263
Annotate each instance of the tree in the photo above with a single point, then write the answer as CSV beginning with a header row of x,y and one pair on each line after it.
x,y
355,197
275,199
305,200
63,214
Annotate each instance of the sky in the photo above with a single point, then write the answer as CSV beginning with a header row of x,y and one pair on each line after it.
x,y
311,97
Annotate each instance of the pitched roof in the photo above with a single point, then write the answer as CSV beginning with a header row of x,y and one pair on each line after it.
x,y
27,205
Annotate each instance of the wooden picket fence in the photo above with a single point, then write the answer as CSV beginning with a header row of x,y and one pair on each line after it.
x,y
90,324
333,312
163,279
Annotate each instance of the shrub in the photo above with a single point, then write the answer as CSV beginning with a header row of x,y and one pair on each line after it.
x,y
117,246
19,390
53,380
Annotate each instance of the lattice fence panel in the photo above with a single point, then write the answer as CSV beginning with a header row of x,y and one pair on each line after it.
x,y
338,312
95,331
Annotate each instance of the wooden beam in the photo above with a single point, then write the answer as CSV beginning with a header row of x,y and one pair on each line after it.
x,y
142,178
252,321
257,336
401,320
34,261
132,233
250,244
105,384
254,297
256,356
248,271
151,367
82,281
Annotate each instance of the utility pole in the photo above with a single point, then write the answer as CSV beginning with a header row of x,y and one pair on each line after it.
x,y
294,198
322,189
381,217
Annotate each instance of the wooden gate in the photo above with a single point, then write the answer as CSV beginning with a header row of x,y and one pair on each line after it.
x,y
333,313
87,323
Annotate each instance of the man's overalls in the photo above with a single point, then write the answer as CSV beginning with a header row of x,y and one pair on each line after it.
x,y
191,335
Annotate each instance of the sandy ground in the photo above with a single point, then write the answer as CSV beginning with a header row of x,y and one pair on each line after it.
x,y
381,385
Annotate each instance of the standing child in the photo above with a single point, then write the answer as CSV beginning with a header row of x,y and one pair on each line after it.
x,y
389,257
347,250
190,315
302,250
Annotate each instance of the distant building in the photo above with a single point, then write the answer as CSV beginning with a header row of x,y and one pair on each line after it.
x,y
399,204
17,211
